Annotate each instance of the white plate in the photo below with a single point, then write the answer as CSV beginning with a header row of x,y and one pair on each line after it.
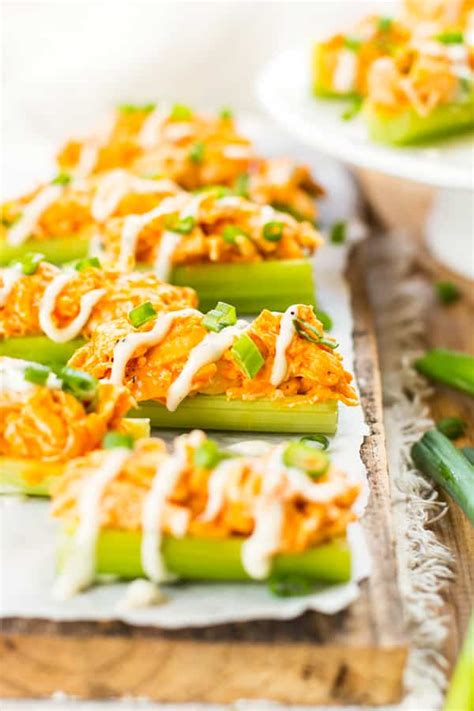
x,y
283,88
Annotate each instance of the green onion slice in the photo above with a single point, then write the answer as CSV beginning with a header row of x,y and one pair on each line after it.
x,y
117,439
310,459
82,385
338,233
447,292
230,232
219,191
180,112
385,24
316,440
136,108
450,37
352,43
196,152
247,356
353,108
183,226
452,427
226,113
241,185
61,179
221,316
273,231
37,373
142,314
30,262
308,331
208,455
293,585
87,262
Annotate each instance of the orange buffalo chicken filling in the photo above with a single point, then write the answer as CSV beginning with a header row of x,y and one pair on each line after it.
x,y
20,314
314,371
53,426
305,523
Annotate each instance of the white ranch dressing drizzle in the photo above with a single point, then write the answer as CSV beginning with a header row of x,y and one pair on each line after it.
x,y
21,230
284,338
207,351
216,487
12,376
152,126
134,224
345,72
116,184
164,258
301,483
163,484
259,548
10,276
125,348
237,151
48,304
80,567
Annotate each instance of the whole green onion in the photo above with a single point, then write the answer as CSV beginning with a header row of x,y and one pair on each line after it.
x,y
142,314
37,373
247,356
117,439
448,367
273,231
451,427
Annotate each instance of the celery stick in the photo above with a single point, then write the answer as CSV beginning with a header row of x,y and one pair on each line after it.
x,y
460,696
217,413
32,477
405,127
118,553
56,250
40,349
448,367
250,287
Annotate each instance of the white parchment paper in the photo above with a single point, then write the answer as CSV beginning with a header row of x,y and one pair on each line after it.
x,y
28,534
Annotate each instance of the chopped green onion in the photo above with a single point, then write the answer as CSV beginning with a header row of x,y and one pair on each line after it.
x,y
220,317
325,319
87,262
226,113
273,231
180,112
247,356
447,292
450,37
241,185
117,439
353,108
352,43
314,336
61,179
318,439
136,108
292,585
310,459
82,385
208,455
230,232
468,453
142,314
338,233
196,152
30,262
385,24
451,427
219,191
37,373
183,226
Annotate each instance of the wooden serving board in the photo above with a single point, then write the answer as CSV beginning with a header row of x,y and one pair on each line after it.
x,y
356,656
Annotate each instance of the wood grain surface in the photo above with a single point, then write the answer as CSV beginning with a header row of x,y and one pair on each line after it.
x,y
355,656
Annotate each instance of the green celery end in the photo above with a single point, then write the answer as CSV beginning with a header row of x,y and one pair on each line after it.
x,y
56,250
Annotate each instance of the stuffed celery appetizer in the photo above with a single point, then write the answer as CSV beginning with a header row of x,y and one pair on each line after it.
x,y
62,218
341,63
425,91
280,373
48,419
47,312
200,513
224,246
195,150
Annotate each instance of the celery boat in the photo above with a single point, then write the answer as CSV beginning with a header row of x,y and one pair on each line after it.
x,y
40,349
32,477
119,553
407,127
216,412
56,250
